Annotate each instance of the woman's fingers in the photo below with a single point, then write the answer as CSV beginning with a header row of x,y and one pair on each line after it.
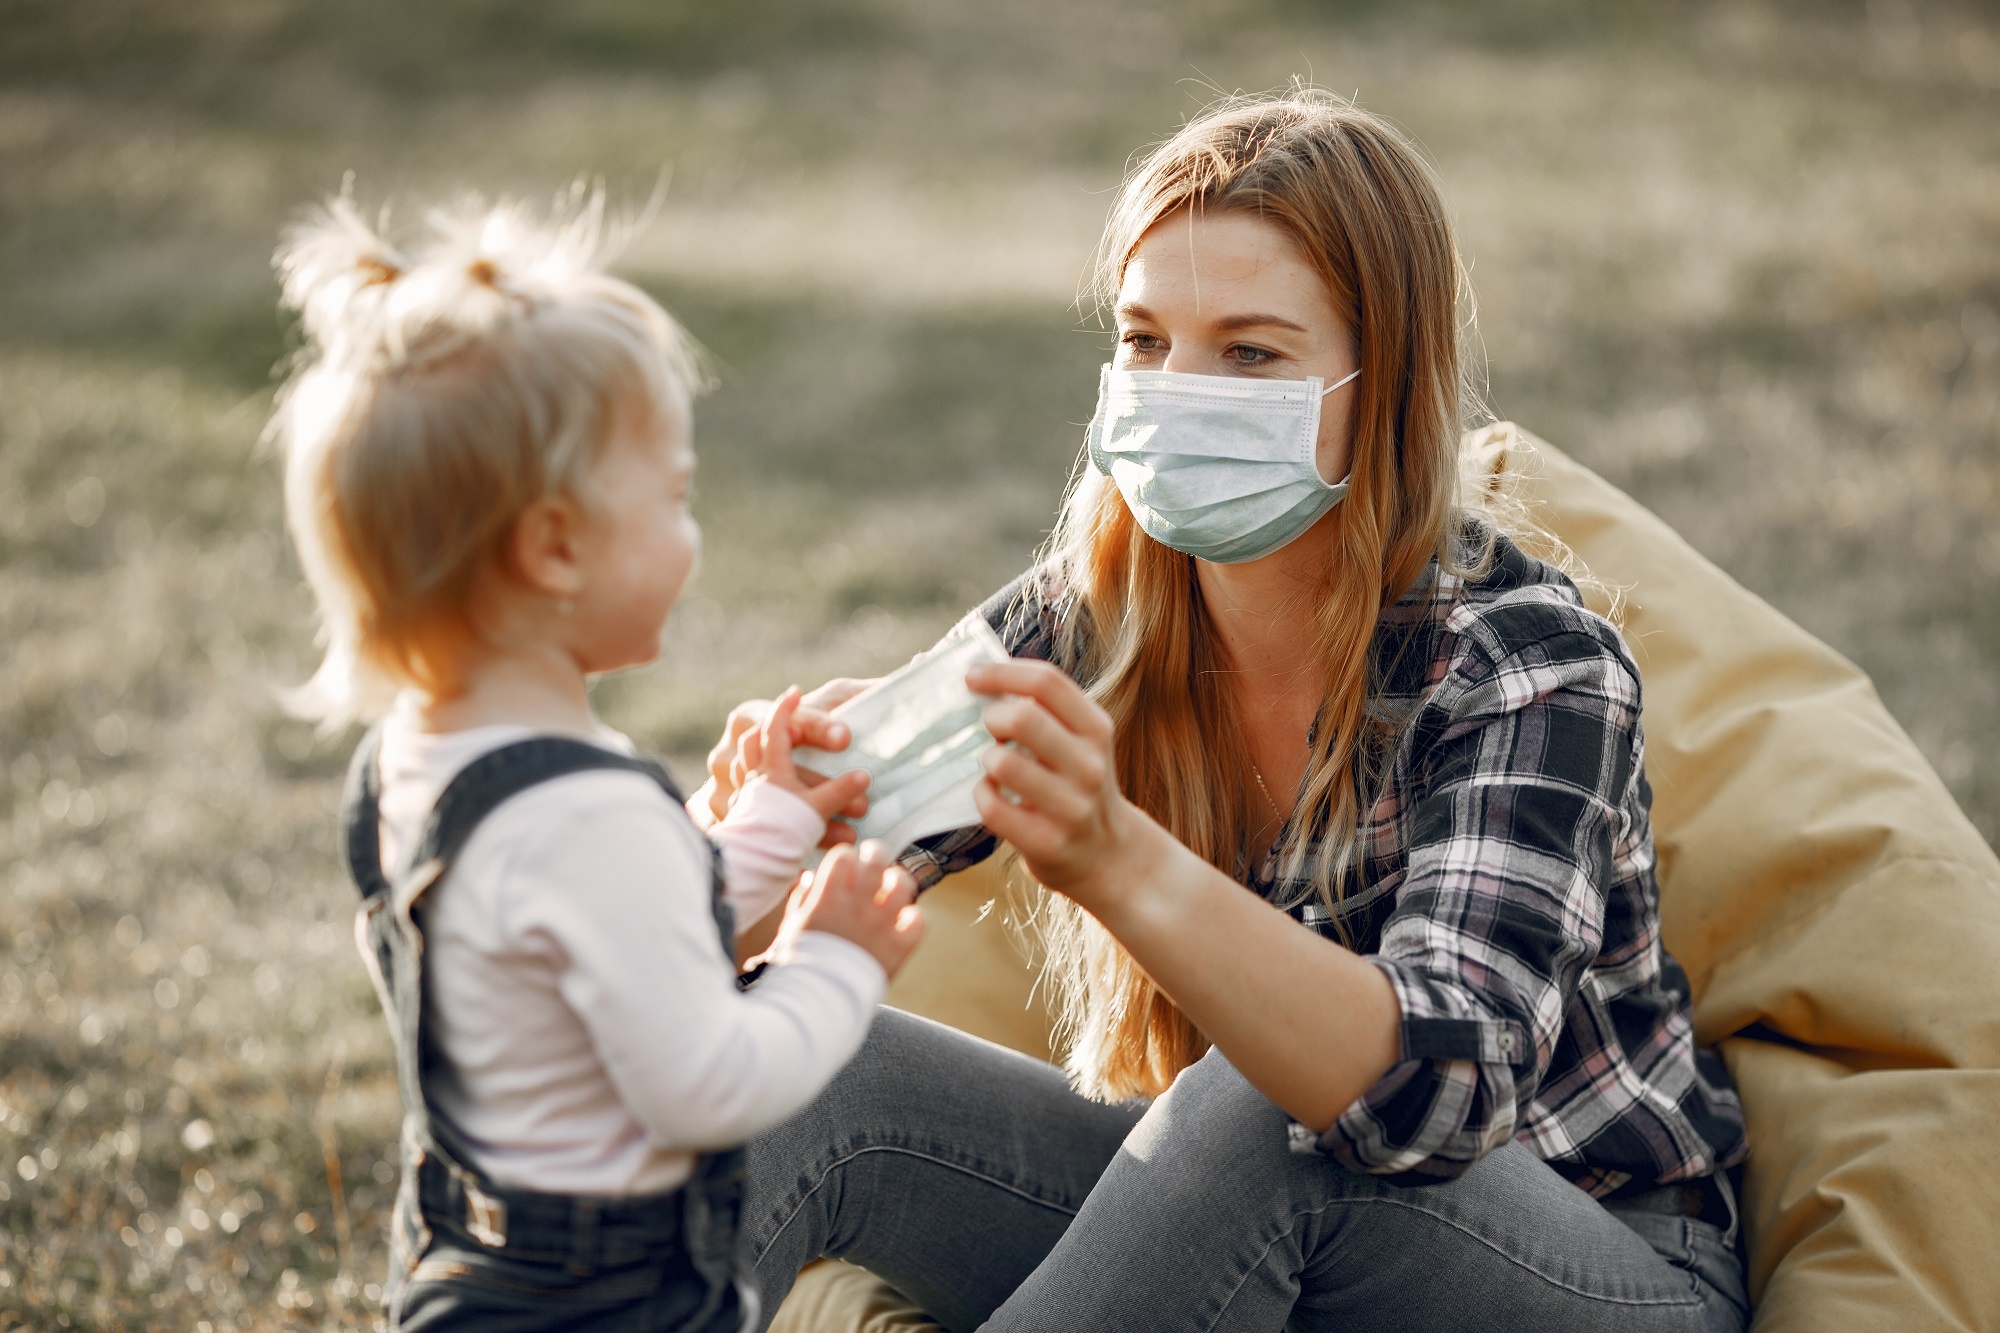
x,y
1027,723
1032,833
1047,686
1049,792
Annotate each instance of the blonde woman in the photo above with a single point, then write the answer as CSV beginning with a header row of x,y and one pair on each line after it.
x,y
1338,801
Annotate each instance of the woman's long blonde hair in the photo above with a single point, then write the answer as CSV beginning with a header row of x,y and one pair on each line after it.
x,y
1366,213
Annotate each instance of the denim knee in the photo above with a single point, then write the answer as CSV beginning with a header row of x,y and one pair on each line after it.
x,y
1212,1131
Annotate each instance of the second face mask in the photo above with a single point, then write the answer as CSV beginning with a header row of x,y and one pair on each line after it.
x,y
919,735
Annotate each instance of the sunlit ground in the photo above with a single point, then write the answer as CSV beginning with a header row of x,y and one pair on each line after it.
x,y
1740,259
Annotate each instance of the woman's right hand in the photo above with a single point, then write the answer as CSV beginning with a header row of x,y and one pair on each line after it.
x,y
735,756
863,897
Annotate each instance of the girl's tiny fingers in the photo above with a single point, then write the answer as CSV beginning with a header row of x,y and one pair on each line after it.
x,y
776,733
815,727
899,889
837,795
836,870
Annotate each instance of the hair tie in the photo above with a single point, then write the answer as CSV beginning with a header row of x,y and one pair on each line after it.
x,y
377,272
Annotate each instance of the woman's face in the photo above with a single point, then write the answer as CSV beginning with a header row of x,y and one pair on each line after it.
x,y
1230,294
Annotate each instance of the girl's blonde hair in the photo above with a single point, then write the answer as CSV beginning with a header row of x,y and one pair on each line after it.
x,y
1366,212
439,393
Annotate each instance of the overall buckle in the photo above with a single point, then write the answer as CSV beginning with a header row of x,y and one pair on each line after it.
x,y
485,1217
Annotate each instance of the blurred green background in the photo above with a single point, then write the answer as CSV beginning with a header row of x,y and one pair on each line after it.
x,y
1742,258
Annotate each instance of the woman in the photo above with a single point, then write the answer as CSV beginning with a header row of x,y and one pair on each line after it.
x,y
1434,1069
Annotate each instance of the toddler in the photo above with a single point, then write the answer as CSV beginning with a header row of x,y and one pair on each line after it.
x,y
488,465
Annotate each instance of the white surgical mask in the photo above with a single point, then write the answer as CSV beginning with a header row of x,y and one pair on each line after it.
x,y
1219,467
920,734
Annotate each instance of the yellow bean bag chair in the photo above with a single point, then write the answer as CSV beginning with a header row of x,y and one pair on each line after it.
x,y
1837,914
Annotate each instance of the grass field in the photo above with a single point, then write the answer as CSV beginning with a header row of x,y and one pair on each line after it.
x,y
1745,260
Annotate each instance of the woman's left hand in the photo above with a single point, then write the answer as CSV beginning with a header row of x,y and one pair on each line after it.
x,y
1051,785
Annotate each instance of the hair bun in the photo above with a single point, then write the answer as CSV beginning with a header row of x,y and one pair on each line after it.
x,y
335,266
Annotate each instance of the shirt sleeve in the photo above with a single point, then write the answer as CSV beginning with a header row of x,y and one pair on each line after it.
x,y
1510,842
613,893
764,844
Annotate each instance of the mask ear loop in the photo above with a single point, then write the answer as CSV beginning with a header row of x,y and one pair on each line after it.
x,y
1341,485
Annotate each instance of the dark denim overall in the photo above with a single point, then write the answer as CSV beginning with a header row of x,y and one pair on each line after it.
x,y
465,1252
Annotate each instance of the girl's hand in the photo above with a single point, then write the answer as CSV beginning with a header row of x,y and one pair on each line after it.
x,y
812,724
1051,786
765,754
866,899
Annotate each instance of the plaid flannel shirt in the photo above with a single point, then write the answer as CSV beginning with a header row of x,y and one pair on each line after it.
x,y
1505,888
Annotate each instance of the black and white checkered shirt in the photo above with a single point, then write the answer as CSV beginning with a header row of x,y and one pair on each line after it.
x,y
1505,888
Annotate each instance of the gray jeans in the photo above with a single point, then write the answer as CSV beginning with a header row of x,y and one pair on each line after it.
x,y
973,1180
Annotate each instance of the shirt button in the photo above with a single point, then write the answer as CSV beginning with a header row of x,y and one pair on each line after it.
x,y
1507,1042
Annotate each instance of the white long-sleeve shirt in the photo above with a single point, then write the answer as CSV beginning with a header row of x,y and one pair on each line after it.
x,y
593,1035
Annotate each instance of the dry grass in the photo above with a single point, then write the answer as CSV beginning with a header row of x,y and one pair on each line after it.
x,y
1741,259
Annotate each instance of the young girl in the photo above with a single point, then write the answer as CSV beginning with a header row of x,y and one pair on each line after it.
x,y
488,468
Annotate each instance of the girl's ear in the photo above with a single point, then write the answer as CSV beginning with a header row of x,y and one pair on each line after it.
x,y
542,551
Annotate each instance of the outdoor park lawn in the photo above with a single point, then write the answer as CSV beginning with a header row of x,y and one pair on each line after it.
x,y
1739,258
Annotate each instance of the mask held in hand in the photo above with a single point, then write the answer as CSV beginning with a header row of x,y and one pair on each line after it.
x,y
919,735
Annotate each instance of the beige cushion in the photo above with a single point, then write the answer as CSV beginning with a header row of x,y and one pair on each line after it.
x,y
1838,915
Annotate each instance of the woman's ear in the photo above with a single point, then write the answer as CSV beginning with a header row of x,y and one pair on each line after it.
x,y
542,551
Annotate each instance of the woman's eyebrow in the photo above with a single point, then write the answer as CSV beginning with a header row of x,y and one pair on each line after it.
x,y
1133,312
1233,322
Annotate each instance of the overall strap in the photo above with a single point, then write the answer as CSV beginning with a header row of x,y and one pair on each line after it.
x,y
361,817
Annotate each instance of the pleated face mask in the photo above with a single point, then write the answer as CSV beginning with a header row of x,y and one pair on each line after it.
x,y
1218,467
920,734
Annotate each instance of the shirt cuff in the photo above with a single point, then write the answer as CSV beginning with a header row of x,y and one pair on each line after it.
x,y
1441,1023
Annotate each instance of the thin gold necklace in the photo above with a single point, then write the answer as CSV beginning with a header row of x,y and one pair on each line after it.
x,y
1269,800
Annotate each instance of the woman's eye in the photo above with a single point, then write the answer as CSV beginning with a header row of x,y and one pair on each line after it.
x,y
1245,355
1140,343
